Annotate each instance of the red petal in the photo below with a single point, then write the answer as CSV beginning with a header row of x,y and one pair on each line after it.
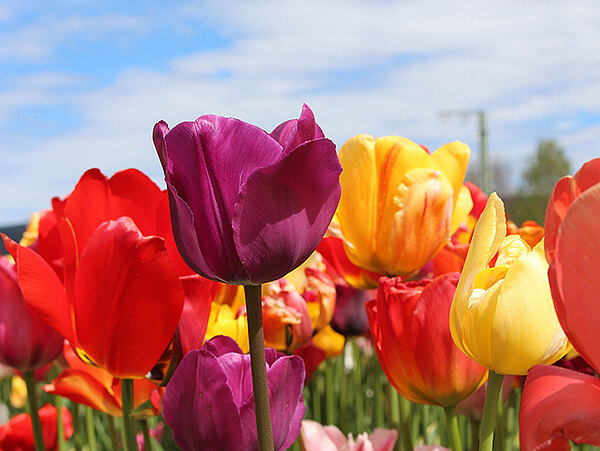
x,y
574,277
128,299
559,405
43,291
96,199
199,293
82,388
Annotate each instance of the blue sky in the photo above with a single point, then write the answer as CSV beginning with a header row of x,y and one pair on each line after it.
x,y
82,83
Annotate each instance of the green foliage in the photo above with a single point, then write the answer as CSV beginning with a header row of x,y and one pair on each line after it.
x,y
545,168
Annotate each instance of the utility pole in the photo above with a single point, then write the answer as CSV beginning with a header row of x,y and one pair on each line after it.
x,y
486,182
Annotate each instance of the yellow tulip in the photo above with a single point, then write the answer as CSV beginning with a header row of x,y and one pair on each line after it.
x,y
400,204
503,316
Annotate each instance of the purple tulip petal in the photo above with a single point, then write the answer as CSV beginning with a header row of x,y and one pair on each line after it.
x,y
199,407
286,380
158,136
239,376
221,345
207,162
284,209
294,132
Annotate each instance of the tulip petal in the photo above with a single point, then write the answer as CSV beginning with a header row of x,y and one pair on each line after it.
x,y
196,311
125,284
199,406
278,218
43,291
127,193
559,405
416,224
574,277
292,133
543,341
82,388
487,239
451,160
314,437
208,160
462,206
286,380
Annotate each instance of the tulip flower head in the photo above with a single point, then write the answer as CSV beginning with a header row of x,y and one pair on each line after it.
x,y
17,434
316,437
409,323
399,204
26,342
560,404
209,401
503,316
248,207
116,294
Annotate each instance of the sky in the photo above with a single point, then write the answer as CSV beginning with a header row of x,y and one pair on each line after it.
x,y
82,82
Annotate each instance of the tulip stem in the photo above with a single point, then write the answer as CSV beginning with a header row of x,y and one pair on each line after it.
x,y
60,425
453,431
29,377
488,422
146,433
259,367
406,424
90,428
112,430
128,432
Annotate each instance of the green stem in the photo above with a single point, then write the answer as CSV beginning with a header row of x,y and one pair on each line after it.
x,y
359,404
488,422
259,367
453,431
405,424
475,426
128,432
60,425
114,441
330,382
90,429
29,378
394,412
146,432
76,427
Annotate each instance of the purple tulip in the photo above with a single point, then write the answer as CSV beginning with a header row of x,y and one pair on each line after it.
x,y
248,207
26,341
209,402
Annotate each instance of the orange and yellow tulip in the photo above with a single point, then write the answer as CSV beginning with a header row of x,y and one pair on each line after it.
x,y
399,204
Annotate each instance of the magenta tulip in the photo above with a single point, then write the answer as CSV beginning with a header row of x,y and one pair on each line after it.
x,y
209,402
248,207
26,342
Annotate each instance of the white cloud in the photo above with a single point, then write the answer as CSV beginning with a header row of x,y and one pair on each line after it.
x,y
375,67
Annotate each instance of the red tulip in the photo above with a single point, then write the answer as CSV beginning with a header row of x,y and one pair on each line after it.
x,y
17,434
119,296
558,404
26,342
411,332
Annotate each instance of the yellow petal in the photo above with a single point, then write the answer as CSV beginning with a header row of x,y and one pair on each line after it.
x,y
526,331
357,208
452,160
329,341
416,224
487,238
462,208
513,246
